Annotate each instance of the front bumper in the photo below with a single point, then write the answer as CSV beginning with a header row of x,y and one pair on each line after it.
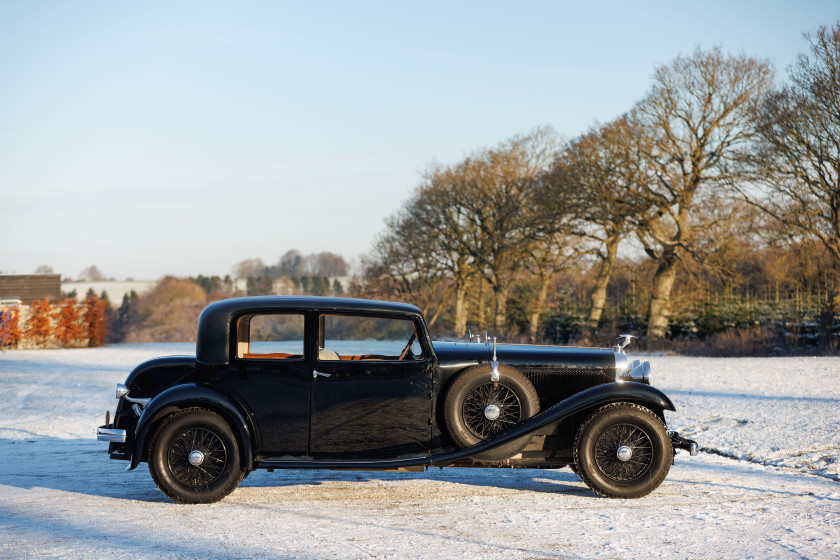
x,y
111,435
680,442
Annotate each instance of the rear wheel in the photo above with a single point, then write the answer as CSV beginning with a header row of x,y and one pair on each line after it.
x,y
194,457
477,409
623,451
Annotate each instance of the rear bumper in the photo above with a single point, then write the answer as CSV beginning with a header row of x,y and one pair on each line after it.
x,y
111,435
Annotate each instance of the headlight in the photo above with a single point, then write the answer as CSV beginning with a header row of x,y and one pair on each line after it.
x,y
122,390
639,372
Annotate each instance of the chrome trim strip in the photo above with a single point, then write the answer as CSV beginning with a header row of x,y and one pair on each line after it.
x,y
111,435
141,402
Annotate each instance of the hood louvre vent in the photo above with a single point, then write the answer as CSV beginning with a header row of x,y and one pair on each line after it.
x,y
555,385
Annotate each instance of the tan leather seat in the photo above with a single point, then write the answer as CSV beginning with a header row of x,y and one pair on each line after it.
x,y
324,354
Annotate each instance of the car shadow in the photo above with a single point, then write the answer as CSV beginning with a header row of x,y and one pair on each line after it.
x,y
750,396
553,481
73,465
83,466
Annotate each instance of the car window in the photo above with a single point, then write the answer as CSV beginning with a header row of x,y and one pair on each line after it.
x,y
352,337
270,337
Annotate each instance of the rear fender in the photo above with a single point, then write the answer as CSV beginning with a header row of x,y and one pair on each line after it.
x,y
191,395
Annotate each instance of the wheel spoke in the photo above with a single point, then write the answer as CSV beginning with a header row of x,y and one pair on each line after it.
x,y
510,409
212,465
623,435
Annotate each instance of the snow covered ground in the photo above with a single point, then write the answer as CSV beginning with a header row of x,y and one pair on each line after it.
x,y
765,487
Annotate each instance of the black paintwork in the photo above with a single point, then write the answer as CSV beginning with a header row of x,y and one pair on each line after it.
x,y
174,399
524,356
153,376
595,397
366,413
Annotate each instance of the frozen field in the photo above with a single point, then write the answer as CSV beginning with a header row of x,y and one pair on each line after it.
x,y
766,485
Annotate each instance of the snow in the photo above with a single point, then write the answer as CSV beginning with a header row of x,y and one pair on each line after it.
x,y
766,485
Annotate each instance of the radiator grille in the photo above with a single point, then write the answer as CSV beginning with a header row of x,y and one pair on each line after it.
x,y
555,385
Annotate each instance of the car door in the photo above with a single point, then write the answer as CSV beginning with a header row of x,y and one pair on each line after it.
x,y
371,388
271,376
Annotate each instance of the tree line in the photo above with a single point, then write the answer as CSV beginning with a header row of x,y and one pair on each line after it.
x,y
715,169
61,324
169,312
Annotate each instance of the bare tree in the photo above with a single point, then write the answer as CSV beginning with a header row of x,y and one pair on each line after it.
x,y
797,150
438,207
91,274
292,263
548,252
495,194
698,114
403,266
248,268
329,264
796,155
604,173
555,235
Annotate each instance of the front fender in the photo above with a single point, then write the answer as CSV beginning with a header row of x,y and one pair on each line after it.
x,y
590,399
187,396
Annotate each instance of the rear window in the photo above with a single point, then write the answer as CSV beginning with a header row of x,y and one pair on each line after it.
x,y
270,337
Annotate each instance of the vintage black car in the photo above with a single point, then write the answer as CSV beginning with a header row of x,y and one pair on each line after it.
x,y
313,382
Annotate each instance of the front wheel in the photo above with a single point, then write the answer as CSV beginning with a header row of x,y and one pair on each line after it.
x,y
623,451
194,457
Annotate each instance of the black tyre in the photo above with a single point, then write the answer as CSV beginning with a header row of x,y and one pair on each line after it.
x,y
194,457
469,414
623,451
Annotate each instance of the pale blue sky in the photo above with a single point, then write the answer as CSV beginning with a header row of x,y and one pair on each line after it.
x,y
179,138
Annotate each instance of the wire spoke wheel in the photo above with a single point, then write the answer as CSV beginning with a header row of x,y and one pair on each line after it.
x,y
476,409
623,452
196,457
483,396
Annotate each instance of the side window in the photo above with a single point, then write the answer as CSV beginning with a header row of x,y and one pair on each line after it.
x,y
352,337
270,337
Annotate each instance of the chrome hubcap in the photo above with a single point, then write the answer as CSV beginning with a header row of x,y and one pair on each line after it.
x,y
196,458
624,453
492,412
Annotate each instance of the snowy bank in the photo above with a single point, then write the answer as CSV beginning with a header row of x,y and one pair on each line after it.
x,y
61,497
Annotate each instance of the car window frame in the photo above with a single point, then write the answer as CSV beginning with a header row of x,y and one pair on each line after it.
x,y
235,328
318,336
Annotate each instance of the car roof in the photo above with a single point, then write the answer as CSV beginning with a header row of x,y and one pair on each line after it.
x,y
214,323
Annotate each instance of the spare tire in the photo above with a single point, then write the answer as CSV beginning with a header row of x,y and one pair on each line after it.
x,y
477,409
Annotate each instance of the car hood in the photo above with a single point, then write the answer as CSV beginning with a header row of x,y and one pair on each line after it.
x,y
525,355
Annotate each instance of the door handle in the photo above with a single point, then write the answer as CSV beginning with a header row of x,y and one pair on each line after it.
x,y
316,373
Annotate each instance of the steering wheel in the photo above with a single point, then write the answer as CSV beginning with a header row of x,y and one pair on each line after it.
x,y
405,350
